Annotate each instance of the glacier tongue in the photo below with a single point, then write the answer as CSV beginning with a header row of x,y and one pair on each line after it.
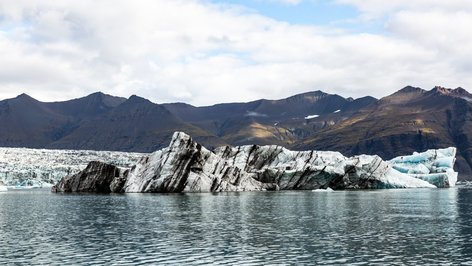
x,y
47,167
186,166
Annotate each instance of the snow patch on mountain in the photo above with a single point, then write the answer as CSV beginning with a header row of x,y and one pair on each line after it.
x,y
311,116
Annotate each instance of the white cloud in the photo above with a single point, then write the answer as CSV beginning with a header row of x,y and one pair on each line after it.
x,y
384,6
205,53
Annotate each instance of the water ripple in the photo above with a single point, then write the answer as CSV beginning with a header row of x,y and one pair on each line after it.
x,y
353,227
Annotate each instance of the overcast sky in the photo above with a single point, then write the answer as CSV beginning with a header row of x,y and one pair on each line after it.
x,y
205,52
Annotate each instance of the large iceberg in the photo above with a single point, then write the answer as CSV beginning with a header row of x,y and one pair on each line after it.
x,y
186,166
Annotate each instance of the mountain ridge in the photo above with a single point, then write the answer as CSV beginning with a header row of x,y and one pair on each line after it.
x,y
407,120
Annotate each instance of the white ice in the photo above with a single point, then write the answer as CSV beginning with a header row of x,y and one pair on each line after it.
x,y
323,190
433,166
18,165
311,116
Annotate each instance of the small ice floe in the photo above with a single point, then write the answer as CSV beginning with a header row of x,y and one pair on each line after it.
x,y
46,185
323,190
28,184
337,111
311,116
3,189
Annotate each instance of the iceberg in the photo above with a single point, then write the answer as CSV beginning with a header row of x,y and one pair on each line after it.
x,y
323,190
433,166
186,166
3,189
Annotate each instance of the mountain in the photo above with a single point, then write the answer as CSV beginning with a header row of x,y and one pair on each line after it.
x,y
27,122
262,122
96,122
411,119
135,125
104,122
90,106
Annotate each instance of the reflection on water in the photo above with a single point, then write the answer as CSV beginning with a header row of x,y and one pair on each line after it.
x,y
402,226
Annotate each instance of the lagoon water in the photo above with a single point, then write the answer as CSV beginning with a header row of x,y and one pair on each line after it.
x,y
414,226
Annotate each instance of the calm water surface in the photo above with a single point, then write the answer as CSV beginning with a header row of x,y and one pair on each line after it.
x,y
420,226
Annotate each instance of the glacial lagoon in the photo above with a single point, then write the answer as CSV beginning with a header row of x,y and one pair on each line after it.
x,y
406,226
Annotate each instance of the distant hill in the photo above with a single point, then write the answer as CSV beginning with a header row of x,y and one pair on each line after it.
x,y
411,119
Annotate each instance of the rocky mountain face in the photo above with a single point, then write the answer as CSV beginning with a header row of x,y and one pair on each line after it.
x,y
186,166
265,122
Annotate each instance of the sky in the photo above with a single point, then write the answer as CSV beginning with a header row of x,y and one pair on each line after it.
x,y
211,51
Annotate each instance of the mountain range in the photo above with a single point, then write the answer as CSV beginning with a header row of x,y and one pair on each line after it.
x,y
411,119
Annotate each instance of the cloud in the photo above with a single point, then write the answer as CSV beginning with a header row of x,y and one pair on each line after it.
x,y
385,6
203,53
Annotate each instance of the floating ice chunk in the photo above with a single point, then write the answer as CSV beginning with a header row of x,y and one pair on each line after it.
x,y
367,171
46,185
3,189
433,166
395,179
323,190
311,116
337,111
447,179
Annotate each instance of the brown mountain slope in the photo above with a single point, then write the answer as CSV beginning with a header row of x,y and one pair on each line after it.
x,y
281,122
135,125
409,120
